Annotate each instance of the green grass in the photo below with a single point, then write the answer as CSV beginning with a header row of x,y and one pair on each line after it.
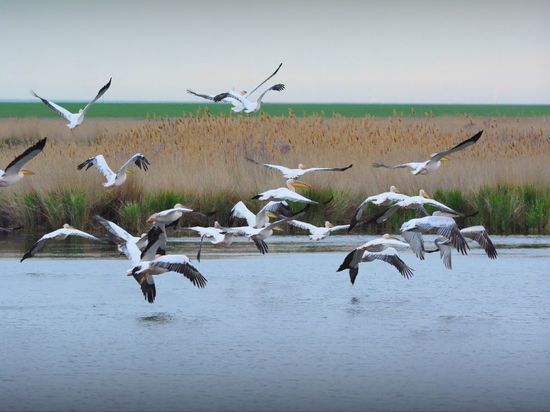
x,y
502,209
152,110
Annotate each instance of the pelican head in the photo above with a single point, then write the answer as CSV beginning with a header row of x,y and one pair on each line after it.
x,y
25,172
80,111
67,226
422,193
293,183
393,189
152,218
178,206
443,159
328,225
217,225
387,236
301,166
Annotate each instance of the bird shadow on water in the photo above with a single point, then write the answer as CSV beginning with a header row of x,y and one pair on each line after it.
x,y
155,319
355,307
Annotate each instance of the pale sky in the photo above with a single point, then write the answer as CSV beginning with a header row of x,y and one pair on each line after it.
x,y
332,51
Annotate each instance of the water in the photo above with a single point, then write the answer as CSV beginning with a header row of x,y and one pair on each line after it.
x,y
282,331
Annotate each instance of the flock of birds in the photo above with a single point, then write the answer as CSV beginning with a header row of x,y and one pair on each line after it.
x,y
147,253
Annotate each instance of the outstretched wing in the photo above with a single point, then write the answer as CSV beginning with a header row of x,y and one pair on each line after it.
x,y
326,169
389,255
99,94
284,170
204,96
416,242
100,164
338,227
138,159
17,164
147,284
181,264
242,212
262,83
410,165
303,225
480,235
55,107
461,146
451,232
39,245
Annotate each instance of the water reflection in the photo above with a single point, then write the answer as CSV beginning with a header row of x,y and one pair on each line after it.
x,y
159,318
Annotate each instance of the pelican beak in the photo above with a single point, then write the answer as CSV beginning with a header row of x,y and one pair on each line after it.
x,y
301,185
151,219
278,229
444,158
271,215
25,172
427,196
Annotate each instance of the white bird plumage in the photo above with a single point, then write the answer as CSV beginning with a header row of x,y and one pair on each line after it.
x,y
112,178
14,171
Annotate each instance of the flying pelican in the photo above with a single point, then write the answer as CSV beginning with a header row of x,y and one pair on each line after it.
x,y
385,198
434,162
149,264
250,106
121,237
74,119
416,203
170,217
316,232
59,234
388,255
261,219
476,233
437,223
286,193
237,106
214,235
15,172
297,173
118,178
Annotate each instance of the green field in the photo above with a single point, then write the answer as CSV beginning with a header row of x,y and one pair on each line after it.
x,y
151,110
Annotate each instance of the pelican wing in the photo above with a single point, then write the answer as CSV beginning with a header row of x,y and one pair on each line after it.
x,y
410,165
55,107
284,170
461,146
260,244
100,164
445,251
416,242
114,230
138,159
17,164
451,232
230,95
99,94
242,212
389,255
327,169
441,206
156,239
181,264
204,96
480,235
303,225
279,208
39,245
147,284
262,83
338,227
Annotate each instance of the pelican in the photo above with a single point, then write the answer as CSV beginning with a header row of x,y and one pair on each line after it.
x,y
121,237
149,263
297,173
59,234
15,172
316,232
286,193
170,217
74,119
388,255
434,162
385,198
250,106
237,106
261,219
476,233
118,178
417,203
214,235
437,223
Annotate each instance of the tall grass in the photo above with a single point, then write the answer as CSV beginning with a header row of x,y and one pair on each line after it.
x,y
200,161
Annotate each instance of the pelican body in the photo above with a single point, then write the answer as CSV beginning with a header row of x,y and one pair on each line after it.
x,y
14,171
286,193
169,216
114,179
317,233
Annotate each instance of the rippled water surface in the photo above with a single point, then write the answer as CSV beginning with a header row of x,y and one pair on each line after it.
x,y
280,331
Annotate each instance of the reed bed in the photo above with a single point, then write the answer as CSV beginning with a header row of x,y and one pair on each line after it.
x,y
200,161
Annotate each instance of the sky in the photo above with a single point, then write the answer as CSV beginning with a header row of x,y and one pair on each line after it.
x,y
495,52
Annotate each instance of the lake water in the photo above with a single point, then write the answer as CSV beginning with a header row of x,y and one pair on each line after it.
x,y
282,331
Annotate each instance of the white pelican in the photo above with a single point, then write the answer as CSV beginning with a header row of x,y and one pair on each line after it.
x,y
250,106
316,232
388,255
214,235
59,234
476,233
149,264
437,223
121,237
15,172
257,235
74,119
434,162
385,198
259,220
286,193
297,173
237,106
118,178
417,203
170,217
